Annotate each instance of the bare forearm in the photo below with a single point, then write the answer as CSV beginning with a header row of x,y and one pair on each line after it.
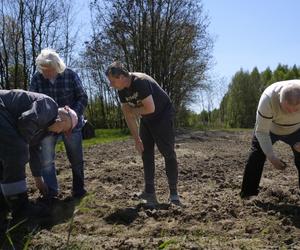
x,y
132,124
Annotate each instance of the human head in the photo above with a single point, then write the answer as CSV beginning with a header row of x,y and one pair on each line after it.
x,y
290,97
49,63
118,75
66,120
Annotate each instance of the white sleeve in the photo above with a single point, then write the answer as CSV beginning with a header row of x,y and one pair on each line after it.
x,y
264,117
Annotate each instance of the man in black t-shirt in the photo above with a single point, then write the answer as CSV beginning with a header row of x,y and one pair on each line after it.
x,y
142,97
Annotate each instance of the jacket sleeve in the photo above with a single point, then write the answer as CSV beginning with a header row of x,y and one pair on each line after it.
x,y
35,162
264,117
34,83
81,96
35,121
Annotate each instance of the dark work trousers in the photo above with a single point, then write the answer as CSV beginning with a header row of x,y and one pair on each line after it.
x,y
14,155
257,158
160,132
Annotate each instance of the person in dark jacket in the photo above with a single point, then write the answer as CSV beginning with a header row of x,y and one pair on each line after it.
x,y
25,118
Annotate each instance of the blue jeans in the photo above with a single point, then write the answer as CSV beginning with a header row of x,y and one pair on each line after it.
x,y
73,146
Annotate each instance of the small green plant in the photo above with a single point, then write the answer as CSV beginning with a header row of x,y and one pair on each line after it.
x,y
28,240
167,243
82,207
28,236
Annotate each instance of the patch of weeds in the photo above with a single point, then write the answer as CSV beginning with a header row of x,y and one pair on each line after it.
x,y
75,246
167,243
162,233
200,233
266,231
18,236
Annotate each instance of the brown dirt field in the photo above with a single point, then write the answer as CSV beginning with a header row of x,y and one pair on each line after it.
x,y
211,166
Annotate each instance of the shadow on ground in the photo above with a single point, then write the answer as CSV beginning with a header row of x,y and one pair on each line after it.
x,y
17,235
126,216
291,212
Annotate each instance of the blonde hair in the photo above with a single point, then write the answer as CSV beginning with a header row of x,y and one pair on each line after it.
x,y
290,94
49,58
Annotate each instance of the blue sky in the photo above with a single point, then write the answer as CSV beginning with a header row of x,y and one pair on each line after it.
x,y
253,33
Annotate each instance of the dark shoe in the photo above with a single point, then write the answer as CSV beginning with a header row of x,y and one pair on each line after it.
x,y
174,199
4,210
248,195
22,209
52,193
79,195
3,226
26,218
149,199
48,201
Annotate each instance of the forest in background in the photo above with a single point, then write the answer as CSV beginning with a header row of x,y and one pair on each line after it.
x,y
238,106
167,39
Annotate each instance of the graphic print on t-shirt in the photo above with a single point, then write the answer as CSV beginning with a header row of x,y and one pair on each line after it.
x,y
133,100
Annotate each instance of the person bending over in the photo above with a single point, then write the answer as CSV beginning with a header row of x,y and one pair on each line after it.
x,y
25,118
142,98
277,119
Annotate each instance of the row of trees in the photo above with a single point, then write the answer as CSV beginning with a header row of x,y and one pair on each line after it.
x,y
26,27
238,106
167,39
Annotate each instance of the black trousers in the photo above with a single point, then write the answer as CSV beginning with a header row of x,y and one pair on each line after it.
x,y
256,160
160,132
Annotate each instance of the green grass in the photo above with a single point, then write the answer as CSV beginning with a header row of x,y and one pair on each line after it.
x,y
234,129
110,135
102,136
106,135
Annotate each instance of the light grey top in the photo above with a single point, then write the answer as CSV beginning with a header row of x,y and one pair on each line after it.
x,y
270,117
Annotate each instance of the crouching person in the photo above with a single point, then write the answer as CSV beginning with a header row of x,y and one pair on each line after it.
x,y
25,118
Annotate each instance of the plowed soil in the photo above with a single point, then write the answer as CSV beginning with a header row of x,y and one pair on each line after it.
x,y
211,166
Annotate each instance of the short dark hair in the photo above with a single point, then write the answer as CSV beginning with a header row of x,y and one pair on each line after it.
x,y
116,69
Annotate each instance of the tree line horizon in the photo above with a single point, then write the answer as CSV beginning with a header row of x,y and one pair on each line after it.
x,y
166,39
